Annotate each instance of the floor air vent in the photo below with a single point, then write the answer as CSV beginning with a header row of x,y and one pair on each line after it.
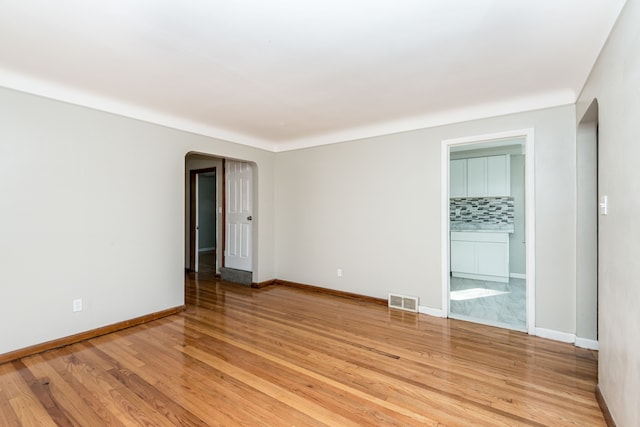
x,y
403,302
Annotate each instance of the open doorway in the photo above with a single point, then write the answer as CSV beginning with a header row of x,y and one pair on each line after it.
x,y
587,229
204,214
204,219
488,223
220,214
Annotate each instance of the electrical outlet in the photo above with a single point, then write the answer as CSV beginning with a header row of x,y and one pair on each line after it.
x,y
339,272
77,305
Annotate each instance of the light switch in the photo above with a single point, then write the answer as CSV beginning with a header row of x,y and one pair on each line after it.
x,y
604,205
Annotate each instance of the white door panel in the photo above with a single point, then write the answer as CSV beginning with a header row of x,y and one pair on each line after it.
x,y
197,234
239,216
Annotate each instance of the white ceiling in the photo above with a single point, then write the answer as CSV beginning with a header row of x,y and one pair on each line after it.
x,y
284,74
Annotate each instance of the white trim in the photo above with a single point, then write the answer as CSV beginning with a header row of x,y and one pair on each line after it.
x,y
530,230
587,343
517,276
555,335
444,227
59,92
528,135
431,311
439,118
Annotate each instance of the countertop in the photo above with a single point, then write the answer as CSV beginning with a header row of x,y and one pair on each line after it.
x,y
481,227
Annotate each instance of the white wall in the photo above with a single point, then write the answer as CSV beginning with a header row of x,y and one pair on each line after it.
x,y
372,208
615,82
92,207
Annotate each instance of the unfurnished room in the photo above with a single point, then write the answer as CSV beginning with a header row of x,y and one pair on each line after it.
x,y
317,213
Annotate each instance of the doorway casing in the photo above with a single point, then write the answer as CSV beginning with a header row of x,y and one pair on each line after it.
x,y
587,229
528,135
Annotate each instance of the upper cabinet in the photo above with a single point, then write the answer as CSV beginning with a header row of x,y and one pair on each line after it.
x,y
458,178
480,177
499,175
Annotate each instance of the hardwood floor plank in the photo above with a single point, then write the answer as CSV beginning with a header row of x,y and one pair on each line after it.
x,y
507,401
209,385
23,402
291,378
155,397
283,356
364,387
40,387
83,408
8,416
119,400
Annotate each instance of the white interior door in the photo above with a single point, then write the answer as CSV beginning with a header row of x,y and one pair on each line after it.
x,y
197,224
239,211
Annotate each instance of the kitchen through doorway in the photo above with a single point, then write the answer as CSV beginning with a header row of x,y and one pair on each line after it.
x,y
486,214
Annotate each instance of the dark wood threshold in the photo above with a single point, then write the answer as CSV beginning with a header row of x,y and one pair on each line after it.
x,y
331,292
605,409
82,336
260,285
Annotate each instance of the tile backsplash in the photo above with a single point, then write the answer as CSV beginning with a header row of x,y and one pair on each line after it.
x,y
482,210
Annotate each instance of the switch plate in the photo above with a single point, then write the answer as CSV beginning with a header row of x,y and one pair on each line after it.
x,y
339,272
604,205
77,305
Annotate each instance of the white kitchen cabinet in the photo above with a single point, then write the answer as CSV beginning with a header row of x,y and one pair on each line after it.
x,y
498,176
463,256
458,178
480,177
480,255
477,177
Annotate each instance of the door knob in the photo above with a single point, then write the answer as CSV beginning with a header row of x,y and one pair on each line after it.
x,y
249,218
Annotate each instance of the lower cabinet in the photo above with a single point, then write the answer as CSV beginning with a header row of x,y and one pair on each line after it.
x,y
480,255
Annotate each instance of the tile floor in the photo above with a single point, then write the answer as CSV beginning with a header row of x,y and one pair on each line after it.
x,y
493,303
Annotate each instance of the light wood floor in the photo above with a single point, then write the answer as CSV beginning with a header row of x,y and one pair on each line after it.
x,y
285,356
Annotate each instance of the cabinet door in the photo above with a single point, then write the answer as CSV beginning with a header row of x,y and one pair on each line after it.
x,y
477,177
463,257
458,178
498,176
493,259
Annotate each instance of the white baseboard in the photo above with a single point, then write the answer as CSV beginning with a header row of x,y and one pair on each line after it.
x,y
518,275
555,335
436,312
587,343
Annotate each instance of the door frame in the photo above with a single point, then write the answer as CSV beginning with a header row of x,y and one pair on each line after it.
x,y
588,213
528,135
193,212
